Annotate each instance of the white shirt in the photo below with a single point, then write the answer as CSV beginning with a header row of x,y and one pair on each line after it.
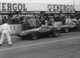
x,y
5,27
32,22
68,20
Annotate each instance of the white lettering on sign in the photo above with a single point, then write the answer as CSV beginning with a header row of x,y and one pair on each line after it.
x,y
13,7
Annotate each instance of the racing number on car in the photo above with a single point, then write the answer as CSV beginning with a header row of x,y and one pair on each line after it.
x,y
13,27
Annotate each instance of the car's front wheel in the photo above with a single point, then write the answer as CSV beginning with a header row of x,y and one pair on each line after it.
x,y
66,30
34,35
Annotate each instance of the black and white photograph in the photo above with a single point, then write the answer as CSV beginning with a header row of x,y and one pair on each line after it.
x,y
39,28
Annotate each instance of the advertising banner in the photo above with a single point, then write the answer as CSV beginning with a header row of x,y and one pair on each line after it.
x,y
36,7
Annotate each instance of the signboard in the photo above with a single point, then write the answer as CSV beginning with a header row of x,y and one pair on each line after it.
x,y
36,7
13,7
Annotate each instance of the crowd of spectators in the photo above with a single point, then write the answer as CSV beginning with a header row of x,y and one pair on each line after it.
x,y
29,22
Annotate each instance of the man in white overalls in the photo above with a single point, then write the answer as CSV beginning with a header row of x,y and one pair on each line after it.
x,y
5,30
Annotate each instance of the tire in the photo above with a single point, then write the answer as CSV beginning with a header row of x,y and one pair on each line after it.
x,y
78,27
66,30
55,33
34,35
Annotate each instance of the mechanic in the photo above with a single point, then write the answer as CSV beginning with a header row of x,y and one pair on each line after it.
x,y
5,30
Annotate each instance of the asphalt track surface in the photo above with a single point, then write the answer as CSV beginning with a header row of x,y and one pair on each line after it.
x,y
67,45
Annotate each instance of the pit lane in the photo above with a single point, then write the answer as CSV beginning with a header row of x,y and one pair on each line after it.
x,y
29,47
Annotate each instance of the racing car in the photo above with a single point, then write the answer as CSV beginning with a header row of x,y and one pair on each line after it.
x,y
41,31
71,26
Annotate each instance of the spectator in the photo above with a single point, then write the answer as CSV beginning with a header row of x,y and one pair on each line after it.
x,y
38,22
30,23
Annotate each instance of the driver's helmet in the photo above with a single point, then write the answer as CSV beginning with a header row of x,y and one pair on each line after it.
x,y
45,21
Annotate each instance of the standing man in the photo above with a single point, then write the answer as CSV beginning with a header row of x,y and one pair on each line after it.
x,y
34,22
38,22
29,23
5,30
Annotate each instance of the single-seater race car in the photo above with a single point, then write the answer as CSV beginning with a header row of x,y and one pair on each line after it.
x,y
41,31
71,26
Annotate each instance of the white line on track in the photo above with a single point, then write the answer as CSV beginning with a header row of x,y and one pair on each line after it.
x,y
38,44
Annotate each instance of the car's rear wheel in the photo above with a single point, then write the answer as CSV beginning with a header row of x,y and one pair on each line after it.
x,y
66,30
55,33
34,35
